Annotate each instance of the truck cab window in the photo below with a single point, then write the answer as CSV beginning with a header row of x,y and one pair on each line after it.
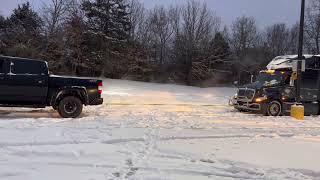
x,y
269,79
27,68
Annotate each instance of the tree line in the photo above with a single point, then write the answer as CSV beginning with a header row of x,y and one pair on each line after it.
x,y
184,44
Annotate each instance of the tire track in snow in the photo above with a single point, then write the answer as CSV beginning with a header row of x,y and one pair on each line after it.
x,y
214,172
160,104
148,147
119,141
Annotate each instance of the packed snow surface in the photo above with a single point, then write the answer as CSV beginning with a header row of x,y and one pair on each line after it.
x,y
153,131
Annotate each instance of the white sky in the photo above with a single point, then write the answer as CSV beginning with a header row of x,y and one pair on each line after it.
x,y
265,11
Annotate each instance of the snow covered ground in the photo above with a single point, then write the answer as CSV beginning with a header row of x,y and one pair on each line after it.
x,y
153,131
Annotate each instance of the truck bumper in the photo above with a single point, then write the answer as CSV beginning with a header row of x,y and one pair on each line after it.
x,y
97,101
247,106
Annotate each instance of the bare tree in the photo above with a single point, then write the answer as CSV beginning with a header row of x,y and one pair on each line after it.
x,y
313,27
55,13
244,34
137,18
199,24
277,38
244,38
140,26
198,27
175,19
161,29
293,39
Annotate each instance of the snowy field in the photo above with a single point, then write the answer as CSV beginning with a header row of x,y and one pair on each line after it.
x,y
154,132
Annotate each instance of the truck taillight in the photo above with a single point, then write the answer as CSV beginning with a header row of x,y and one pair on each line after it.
x,y
100,85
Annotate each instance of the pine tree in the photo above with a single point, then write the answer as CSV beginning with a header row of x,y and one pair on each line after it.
x,y
122,20
77,47
24,32
2,34
220,49
220,59
2,22
213,60
109,28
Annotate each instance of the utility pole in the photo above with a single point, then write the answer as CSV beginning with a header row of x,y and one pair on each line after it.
x,y
297,110
300,53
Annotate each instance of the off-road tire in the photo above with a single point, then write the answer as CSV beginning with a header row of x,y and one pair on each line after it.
x,y
70,107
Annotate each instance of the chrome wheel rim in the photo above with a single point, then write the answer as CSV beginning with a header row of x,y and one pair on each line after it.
x,y
274,109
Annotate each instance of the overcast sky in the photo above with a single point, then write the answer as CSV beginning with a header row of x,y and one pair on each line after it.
x,y
265,11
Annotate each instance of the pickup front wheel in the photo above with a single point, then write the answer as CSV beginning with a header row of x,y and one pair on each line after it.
x,y
70,107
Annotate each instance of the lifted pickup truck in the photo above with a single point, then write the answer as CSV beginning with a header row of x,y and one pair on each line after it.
x,y
27,83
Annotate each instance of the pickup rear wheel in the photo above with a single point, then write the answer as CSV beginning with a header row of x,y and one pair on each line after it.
x,y
70,107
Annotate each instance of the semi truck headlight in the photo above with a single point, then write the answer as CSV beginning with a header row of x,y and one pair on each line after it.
x,y
261,99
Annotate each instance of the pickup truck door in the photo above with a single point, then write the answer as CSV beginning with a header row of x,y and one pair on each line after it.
x,y
27,82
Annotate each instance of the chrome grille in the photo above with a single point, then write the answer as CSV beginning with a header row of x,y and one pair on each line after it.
x,y
246,94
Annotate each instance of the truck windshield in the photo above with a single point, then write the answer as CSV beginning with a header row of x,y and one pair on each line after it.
x,y
268,79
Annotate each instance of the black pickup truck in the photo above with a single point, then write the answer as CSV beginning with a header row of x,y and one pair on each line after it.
x,y
27,83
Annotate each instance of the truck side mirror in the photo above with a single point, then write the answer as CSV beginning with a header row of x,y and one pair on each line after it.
x,y
252,78
236,83
293,78
291,82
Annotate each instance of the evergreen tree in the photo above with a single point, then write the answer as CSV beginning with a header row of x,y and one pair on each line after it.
x,y
2,34
213,60
77,47
2,22
122,20
220,48
99,14
109,27
24,32
221,60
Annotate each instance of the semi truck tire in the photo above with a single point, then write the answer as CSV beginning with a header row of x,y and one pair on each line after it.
x,y
274,108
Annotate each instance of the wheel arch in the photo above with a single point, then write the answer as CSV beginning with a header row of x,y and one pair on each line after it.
x,y
76,91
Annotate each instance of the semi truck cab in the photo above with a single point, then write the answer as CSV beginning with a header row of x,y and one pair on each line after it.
x,y
273,93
